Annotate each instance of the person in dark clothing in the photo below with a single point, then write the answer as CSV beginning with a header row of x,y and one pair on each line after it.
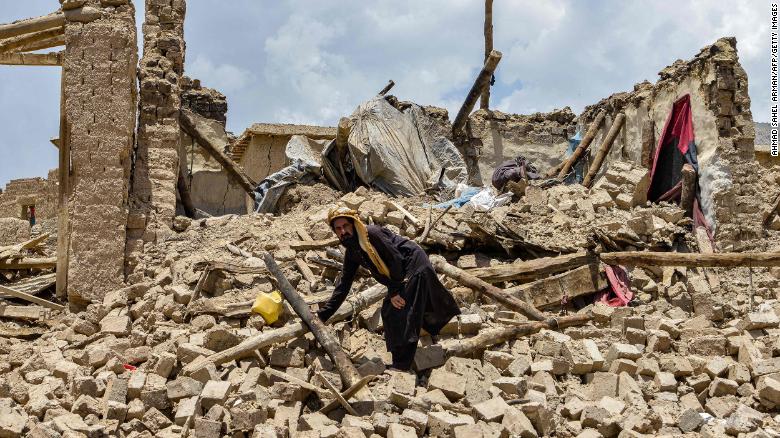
x,y
416,298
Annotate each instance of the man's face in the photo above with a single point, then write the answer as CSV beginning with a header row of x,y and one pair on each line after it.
x,y
343,228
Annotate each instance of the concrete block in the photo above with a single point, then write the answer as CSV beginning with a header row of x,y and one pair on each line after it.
x,y
491,410
183,387
214,392
451,384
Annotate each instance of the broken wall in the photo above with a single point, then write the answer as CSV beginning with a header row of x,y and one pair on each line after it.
x,y
19,193
541,137
99,84
204,101
723,128
156,162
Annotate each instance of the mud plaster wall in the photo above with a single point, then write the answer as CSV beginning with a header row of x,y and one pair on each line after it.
x,y
542,138
264,156
99,68
723,128
157,151
19,193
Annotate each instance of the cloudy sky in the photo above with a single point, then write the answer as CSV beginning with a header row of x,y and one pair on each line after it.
x,y
313,61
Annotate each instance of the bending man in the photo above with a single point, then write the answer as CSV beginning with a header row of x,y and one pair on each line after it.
x,y
416,298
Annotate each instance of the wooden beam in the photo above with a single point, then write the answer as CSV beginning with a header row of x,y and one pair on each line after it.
x,y
692,260
12,251
22,312
583,146
606,145
324,335
31,25
63,221
22,42
548,292
29,263
31,298
235,172
48,43
688,189
301,245
247,348
478,285
480,83
33,285
534,269
484,102
43,59
387,88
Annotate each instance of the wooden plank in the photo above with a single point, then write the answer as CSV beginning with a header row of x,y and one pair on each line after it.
x,y
532,269
33,285
31,25
23,43
688,189
383,91
548,292
306,271
48,43
31,298
22,312
480,83
15,250
29,263
312,244
692,260
42,59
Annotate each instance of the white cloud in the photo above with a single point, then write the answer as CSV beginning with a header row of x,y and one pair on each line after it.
x,y
227,78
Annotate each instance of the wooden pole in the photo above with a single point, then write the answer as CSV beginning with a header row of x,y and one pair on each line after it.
x,y
484,102
648,142
478,285
688,189
42,59
349,374
31,298
482,81
234,171
44,263
185,196
31,25
692,260
23,41
387,88
488,338
534,269
606,145
583,146
63,223
48,43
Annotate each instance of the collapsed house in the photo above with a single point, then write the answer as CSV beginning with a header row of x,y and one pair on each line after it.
x,y
158,337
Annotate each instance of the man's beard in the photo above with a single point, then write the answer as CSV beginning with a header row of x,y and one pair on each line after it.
x,y
349,241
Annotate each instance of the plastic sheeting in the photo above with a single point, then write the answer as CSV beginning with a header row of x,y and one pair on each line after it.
x,y
392,152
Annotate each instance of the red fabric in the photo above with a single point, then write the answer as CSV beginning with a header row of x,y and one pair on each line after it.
x,y
679,124
619,293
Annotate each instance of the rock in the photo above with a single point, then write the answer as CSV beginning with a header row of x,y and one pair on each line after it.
x,y
396,430
115,325
12,422
690,421
214,392
769,389
491,410
743,420
452,385
443,424
720,387
219,338
183,387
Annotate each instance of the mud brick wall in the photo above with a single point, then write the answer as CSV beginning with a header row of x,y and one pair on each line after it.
x,y
153,193
29,191
207,102
99,69
723,127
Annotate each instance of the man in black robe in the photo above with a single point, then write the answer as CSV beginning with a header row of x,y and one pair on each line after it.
x,y
416,298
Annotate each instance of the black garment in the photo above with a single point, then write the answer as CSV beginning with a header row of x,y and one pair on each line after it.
x,y
513,170
429,304
403,356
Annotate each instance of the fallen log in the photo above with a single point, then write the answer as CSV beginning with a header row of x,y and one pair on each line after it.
x,y
478,285
235,172
29,263
606,145
534,269
346,369
548,292
692,260
291,331
688,189
583,146
31,298
480,83
31,25
489,338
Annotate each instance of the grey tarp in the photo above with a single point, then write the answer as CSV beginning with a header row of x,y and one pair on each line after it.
x,y
393,152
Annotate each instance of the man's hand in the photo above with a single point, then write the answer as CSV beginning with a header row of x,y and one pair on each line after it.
x,y
398,302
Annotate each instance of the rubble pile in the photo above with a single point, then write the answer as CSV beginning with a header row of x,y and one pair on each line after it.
x,y
681,360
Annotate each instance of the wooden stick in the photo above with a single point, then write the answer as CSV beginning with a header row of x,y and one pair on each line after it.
x,y
23,41
606,145
492,337
706,247
306,271
31,298
387,88
247,348
480,83
312,244
416,222
484,102
648,142
688,189
29,263
337,395
31,25
292,379
583,146
349,392
349,374
42,59
431,225
478,285
190,125
692,260
534,269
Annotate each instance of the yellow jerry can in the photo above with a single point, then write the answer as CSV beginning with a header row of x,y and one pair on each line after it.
x,y
268,305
